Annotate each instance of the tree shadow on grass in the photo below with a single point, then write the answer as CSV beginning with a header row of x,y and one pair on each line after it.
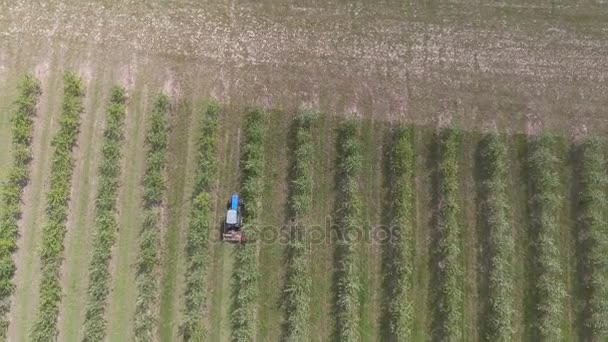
x,y
580,233
481,175
387,251
338,235
293,229
438,299
532,271
435,238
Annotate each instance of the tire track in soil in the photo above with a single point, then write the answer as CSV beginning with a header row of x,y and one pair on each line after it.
x,y
220,277
271,260
470,240
321,253
370,252
79,238
424,211
518,195
27,276
181,151
123,292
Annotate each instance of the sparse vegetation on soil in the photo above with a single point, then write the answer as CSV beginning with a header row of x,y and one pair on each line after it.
x,y
593,205
298,281
153,200
402,233
246,269
348,229
105,223
546,203
12,190
58,197
200,227
496,222
448,322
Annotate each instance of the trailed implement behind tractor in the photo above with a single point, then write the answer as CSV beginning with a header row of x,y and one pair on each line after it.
x,y
234,220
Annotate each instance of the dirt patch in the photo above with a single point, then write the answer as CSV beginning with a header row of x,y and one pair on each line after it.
x,y
127,74
382,61
172,86
579,132
534,125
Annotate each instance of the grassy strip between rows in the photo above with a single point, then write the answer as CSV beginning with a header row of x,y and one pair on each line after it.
x,y
12,190
593,205
403,233
105,223
349,224
58,197
449,291
197,244
298,282
495,210
246,269
149,244
546,206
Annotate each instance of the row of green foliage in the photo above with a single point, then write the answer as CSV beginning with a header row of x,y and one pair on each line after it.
x,y
18,176
153,198
197,244
298,282
495,210
349,226
546,202
593,205
57,199
403,229
246,272
105,223
449,296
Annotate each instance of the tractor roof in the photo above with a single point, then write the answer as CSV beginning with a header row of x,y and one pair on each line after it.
x,y
234,201
231,217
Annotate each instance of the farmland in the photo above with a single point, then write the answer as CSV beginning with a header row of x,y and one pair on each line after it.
x,y
410,171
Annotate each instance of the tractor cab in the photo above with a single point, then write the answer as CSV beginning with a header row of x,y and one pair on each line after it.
x,y
234,220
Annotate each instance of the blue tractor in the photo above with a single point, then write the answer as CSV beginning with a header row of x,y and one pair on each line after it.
x,y
234,220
